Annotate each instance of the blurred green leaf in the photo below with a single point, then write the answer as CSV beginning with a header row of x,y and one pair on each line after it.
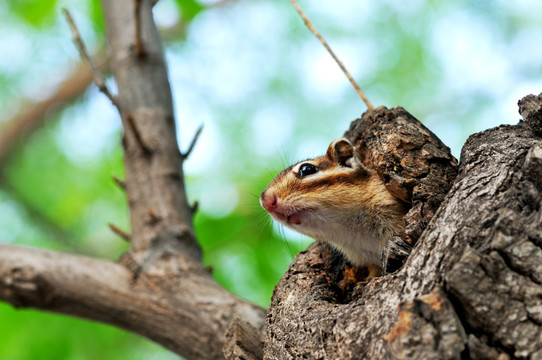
x,y
58,337
189,9
37,13
97,16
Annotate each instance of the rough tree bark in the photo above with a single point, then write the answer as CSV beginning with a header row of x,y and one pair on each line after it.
x,y
471,287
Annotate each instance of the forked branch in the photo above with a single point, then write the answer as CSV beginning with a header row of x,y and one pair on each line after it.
x,y
97,75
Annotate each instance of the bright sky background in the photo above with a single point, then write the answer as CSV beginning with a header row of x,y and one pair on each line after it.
x,y
222,74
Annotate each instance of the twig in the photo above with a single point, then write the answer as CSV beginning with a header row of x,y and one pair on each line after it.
x,y
138,43
98,77
120,183
194,207
139,139
187,153
152,217
32,114
119,232
317,34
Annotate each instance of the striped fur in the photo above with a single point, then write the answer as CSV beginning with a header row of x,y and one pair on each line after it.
x,y
344,203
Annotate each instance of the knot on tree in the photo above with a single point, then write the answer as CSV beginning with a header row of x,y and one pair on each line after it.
x,y
530,108
414,164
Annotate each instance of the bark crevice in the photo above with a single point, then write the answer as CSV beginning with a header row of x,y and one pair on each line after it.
x,y
469,289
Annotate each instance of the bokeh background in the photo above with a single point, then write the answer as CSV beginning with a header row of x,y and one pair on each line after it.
x,y
268,95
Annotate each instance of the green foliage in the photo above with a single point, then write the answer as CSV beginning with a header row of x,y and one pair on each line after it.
x,y
97,17
189,9
43,177
32,334
36,13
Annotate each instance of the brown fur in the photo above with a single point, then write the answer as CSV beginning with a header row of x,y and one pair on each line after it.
x,y
343,203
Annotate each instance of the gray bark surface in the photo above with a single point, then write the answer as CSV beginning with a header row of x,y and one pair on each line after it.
x,y
471,287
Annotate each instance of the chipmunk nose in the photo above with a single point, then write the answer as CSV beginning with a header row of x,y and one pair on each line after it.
x,y
268,201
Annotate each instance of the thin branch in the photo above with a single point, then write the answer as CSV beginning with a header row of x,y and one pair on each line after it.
x,y
124,235
98,77
194,207
187,153
32,114
120,183
317,34
173,314
138,42
152,217
137,134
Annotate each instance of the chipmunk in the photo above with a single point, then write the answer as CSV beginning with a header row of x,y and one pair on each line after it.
x,y
335,198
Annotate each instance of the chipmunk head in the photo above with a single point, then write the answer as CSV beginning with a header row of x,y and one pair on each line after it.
x,y
337,199
298,195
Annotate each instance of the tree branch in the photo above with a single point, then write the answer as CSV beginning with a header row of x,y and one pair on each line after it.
x,y
160,289
186,154
414,164
32,114
187,313
123,234
145,94
97,76
311,27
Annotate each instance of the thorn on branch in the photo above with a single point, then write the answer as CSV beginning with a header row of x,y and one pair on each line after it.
x,y
186,154
152,217
139,51
120,232
120,183
98,77
194,207
137,135
328,48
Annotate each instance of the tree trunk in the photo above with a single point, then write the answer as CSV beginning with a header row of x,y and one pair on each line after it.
x,y
471,287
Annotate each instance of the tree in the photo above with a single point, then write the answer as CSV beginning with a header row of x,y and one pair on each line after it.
x,y
161,290
469,288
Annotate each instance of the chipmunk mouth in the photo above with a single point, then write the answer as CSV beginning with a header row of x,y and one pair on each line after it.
x,y
293,217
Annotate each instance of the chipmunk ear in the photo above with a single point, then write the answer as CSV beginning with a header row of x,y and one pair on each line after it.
x,y
342,152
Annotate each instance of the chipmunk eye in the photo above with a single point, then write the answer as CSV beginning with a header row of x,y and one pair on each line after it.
x,y
306,169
